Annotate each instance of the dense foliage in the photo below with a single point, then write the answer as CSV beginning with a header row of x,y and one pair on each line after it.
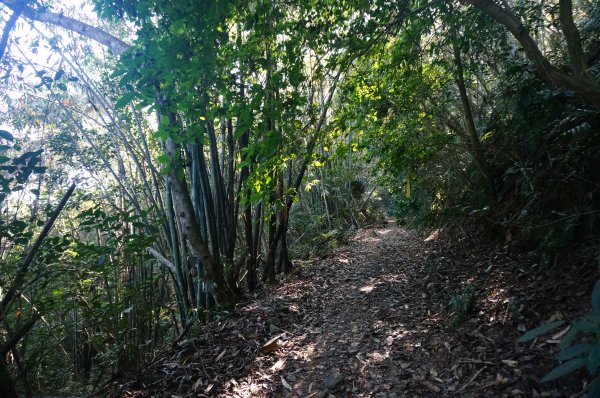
x,y
214,142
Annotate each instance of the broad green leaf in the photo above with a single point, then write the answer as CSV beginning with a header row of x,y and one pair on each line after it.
x,y
574,351
180,175
164,120
166,170
124,100
163,158
532,334
593,359
161,134
564,369
6,135
177,27
571,335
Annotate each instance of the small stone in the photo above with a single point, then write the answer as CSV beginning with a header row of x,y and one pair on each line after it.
x,y
333,380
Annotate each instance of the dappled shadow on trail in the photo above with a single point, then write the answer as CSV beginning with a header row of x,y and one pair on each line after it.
x,y
374,320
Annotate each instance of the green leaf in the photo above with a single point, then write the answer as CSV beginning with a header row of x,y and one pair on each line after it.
x,y
177,27
6,135
532,334
571,335
166,170
593,359
574,351
124,100
255,197
163,158
180,174
564,369
596,297
161,134
59,74
244,122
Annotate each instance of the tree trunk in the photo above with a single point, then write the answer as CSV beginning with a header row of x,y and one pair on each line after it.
x,y
184,210
7,386
251,279
269,270
476,148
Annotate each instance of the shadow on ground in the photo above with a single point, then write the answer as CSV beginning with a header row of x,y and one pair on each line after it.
x,y
375,320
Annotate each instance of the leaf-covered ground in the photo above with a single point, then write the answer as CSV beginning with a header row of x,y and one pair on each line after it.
x,y
381,318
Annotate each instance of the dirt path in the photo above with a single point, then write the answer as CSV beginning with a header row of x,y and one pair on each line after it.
x,y
372,320
359,322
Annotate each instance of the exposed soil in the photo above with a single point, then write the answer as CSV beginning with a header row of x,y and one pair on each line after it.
x,y
381,318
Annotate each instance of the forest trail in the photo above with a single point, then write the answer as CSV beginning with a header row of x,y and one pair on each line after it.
x,y
372,320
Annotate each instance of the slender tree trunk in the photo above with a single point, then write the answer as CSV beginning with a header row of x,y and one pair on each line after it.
x,y
284,264
475,146
251,279
257,236
269,270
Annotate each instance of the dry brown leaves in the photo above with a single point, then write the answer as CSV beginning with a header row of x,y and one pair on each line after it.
x,y
373,320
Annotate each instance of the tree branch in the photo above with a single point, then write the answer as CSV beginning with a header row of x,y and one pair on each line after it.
x,y
15,338
9,25
24,267
117,45
162,259
582,85
576,55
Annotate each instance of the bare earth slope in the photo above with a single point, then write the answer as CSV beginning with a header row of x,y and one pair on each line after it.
x,y
374,320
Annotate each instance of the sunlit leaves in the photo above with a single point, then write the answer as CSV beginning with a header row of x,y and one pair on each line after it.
x,y
178,27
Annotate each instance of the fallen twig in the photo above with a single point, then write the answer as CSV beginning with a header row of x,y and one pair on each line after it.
x,y
472,379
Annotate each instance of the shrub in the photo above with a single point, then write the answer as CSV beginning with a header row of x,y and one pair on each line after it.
x,y
580,348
